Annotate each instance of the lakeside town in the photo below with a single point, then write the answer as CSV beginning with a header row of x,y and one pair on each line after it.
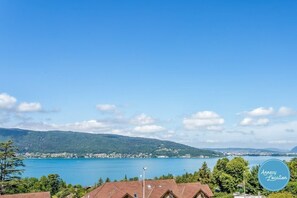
x,y
114,155
100,155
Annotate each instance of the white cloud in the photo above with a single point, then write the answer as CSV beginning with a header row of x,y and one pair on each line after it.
x,y
272,135
86,126
258,116
285,111
106,107
29,107
254,122
7,101
142,119
118,131
83,126
204,120
261,111
149,129
211,141
262,121
10,103
246,122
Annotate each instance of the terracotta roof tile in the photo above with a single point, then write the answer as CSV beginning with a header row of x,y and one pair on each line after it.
x,y
28,195
207,190
153,189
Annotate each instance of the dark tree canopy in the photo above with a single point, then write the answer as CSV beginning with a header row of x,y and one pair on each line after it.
x,y
10,164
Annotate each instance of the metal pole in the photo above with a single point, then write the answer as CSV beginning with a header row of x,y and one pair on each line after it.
x,y
143,183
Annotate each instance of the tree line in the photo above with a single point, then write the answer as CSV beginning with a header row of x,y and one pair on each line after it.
x,y
12,167
230,176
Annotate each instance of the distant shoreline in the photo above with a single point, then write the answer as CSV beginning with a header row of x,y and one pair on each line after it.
x,y
36,158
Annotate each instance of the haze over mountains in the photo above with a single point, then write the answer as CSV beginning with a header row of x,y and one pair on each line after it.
x,y
294,150
83,143
254,151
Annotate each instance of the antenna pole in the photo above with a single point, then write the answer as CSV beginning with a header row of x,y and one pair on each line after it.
x,y
143,182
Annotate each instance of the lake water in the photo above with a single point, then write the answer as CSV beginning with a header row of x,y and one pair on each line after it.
x,y
88,171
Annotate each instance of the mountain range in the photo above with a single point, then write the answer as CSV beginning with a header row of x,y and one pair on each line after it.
x,y
254,151
85,143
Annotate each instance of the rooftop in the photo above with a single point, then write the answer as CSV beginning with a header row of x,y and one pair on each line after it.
x,y
153,189
28,195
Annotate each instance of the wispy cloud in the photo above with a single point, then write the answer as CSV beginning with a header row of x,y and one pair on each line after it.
x,y
278,142
142,119
207,120
290,130
285,111
29,107
149,129
262,126
109,108
262,116
90,126
254,121
261,111
7,101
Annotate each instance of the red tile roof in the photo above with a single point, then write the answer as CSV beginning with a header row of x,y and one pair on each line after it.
x,y
190,189
28,195
153,189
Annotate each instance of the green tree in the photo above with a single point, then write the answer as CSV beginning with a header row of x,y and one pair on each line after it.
x,y
228,183
252,183
134,179
107,180
281,195
55,183
228,174
222,164
169,176
223,195
185,178
218,170
237,167
292,188
10,165
76,191
100,182
293,169
43,183
204,174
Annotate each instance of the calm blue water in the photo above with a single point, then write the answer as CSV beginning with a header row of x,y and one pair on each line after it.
x,y
88,171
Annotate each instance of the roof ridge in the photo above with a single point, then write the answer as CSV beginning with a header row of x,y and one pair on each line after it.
x,y
151,192
191,183
100,188
183,190
121,190
155,188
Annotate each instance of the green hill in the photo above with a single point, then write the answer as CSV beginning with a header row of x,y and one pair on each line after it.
x,y
82,143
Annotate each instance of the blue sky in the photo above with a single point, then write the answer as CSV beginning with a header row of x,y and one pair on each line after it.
x,y
203,73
